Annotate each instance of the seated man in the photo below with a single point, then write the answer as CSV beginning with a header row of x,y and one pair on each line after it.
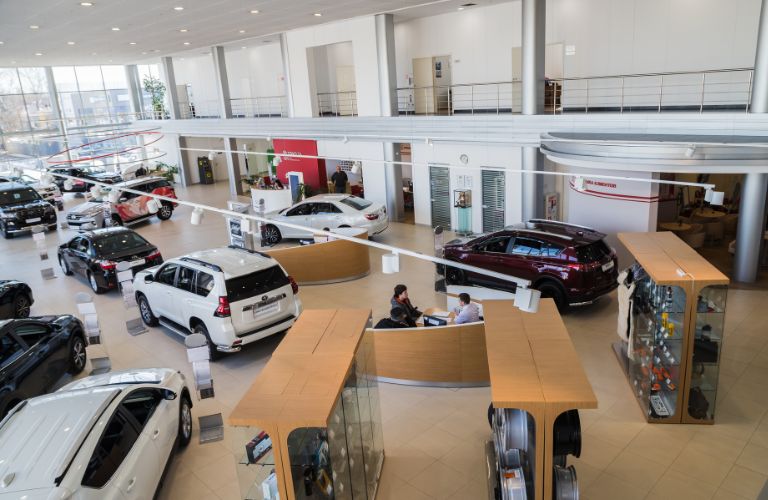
x,y
397,319
467,312
400,299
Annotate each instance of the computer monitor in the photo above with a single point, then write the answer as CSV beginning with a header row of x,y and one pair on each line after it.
x,y
434,321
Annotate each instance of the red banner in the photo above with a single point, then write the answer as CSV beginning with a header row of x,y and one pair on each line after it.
x,y
312,168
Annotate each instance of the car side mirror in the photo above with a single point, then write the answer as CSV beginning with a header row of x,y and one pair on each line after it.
x,y
122,200
149,278
169,395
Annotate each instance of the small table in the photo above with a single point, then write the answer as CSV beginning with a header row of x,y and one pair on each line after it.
x,y
675,227
707,213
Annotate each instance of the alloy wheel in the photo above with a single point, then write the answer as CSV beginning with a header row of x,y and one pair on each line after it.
x,y
186,419
144,309
22,307
92,280
78,354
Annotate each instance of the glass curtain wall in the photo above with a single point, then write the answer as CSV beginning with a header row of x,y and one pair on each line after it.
x,y
93,95
25,107
153,103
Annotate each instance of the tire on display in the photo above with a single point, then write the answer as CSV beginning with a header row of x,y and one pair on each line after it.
x,y
77,355
6,234
145,311
272,234
21,305
454,276
64,266
185,420
115,221
165,212
551,290
200,328
94,284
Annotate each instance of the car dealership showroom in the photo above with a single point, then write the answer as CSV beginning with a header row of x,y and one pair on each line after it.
x,y
393,249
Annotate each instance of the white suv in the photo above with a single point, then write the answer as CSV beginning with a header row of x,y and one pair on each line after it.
x,y
106,437
231,295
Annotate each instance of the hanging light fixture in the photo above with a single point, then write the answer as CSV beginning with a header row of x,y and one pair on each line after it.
x,y
153,205
390,263
68,185
580,184
690,151
96,191
356,167
527,299
114,196
197,216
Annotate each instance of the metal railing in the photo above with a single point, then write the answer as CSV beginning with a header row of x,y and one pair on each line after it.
x,y
337,103
698,91
259,107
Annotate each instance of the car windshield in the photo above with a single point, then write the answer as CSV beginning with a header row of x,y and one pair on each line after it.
x,y
119,242
594,252
258,283
356,203
14,196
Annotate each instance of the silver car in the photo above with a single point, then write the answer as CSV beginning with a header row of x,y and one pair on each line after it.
x,y
325,212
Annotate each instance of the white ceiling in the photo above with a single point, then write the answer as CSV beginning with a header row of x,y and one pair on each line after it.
x,y
154,25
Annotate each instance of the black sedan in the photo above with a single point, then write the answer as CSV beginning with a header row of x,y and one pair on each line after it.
x,y
15,299
36,353
95,255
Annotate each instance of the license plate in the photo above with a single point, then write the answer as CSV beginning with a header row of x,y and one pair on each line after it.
x,y
271,308
608,266
137,262
36,219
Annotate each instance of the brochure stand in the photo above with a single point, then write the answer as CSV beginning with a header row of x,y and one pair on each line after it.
x,y
133,323
38,234
211,426
100,362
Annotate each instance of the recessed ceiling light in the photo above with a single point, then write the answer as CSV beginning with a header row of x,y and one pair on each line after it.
x,y
243,48
254,11
131,43
115,28
109,60
13,62
70,43
318,14
186,43
179,8
156,50
460,8
181,59
34,27
143,53
38,53
93,53
183,30
241,31
2,43
86,4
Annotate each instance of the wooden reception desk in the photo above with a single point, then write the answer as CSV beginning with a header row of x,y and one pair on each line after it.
x,y
329,262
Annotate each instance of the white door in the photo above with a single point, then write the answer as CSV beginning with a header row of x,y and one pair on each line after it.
x,y
423,86
299,215
326,216
345,86
161,292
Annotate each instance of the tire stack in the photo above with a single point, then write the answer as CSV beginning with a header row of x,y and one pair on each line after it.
x,y
567,441
514,442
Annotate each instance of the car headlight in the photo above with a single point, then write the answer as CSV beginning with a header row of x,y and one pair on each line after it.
x,y
8,215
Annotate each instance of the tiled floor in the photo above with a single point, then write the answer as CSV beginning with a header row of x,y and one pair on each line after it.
x,y
434,437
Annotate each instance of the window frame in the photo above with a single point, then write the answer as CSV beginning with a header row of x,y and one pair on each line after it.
x,y
175,274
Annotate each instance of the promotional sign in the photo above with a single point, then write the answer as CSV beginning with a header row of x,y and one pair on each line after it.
x,y
313,168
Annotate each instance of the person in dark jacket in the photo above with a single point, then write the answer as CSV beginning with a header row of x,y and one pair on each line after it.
x,y
339,179
397,319
400,299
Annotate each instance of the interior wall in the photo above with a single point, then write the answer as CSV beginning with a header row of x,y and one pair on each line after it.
x,y
327,59
361,32
205,144
609,37
373,176
255,71
257,163
479,156
198,72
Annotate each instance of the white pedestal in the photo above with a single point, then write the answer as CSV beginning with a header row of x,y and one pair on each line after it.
x,y
274,199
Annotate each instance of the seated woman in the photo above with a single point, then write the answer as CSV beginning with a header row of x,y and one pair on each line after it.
x,y
400,299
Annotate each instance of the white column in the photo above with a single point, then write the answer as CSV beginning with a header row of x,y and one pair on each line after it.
x,y
134,89
53,94
286,75
233,167
385,50
222,82
170,85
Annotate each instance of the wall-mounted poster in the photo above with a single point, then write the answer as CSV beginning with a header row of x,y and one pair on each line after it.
x,y
552,206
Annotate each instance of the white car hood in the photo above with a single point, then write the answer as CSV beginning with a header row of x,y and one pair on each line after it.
x,y
138,376
87,208
52,493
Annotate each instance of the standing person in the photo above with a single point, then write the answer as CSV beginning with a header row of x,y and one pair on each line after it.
x,y
339,179
400,299
397,319
467,312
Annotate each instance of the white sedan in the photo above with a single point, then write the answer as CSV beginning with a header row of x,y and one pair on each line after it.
x,y
105,437
325,212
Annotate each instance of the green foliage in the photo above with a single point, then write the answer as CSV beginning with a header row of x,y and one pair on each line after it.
x,y
156,88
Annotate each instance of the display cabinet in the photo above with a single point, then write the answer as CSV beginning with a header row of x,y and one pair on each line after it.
x,y
310,425
671,352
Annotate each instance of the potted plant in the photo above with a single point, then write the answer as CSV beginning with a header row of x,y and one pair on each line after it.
x,y
168,172
156,88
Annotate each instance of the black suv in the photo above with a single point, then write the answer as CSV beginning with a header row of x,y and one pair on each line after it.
x,y
21,208
83,172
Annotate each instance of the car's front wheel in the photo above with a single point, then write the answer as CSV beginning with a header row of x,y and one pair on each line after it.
x,y
64,266
6,234
272,235
165,212
77,355
185,421
147,317
21,306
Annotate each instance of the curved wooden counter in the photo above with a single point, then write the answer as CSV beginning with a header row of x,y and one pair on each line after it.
x,y
330,262
443,356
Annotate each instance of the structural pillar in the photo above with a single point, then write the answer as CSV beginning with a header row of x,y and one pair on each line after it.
x,y
222,81
534,31
170,85
53,94
233,167
134,88
288,111
749,235
393,172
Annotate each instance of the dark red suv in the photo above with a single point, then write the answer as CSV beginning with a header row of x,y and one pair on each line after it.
x,y
571,264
